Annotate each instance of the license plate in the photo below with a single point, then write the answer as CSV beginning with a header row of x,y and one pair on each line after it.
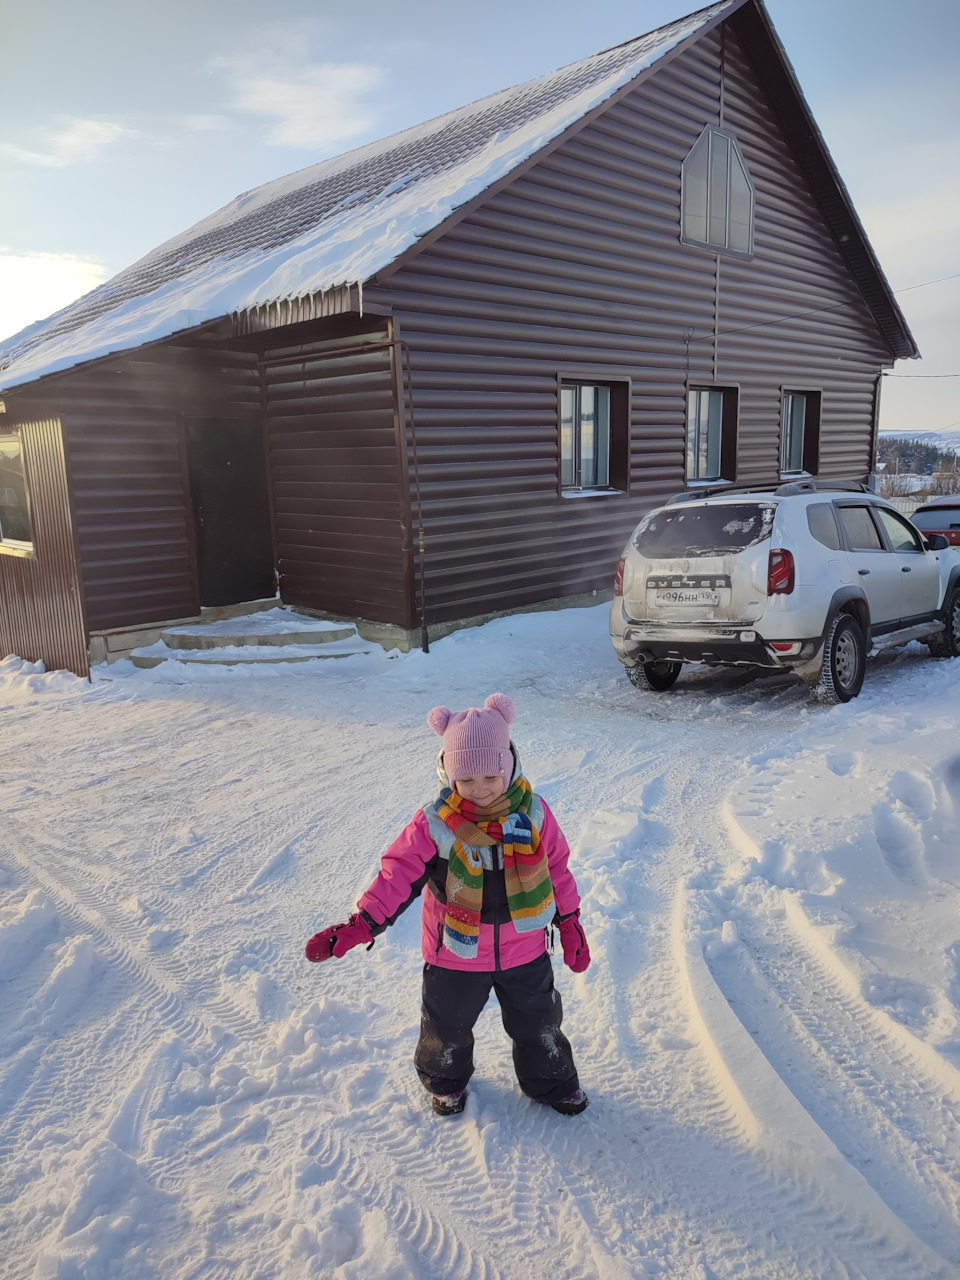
x,y
686,595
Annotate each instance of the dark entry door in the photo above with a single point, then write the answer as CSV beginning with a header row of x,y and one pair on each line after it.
x,y
228,485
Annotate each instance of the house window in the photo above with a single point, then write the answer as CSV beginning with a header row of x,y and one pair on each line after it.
x,y
15,531
712,433
717,194
800,432
584,436
594,432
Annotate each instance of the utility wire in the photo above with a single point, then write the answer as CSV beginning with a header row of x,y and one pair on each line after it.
x,y
939,280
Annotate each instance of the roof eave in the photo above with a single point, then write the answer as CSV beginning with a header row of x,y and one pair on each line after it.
x,y
29,383
336,301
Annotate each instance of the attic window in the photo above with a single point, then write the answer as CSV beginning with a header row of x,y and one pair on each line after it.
x,y
716,194
16,536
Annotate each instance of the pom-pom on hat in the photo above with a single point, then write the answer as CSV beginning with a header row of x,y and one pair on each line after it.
x,y
476,742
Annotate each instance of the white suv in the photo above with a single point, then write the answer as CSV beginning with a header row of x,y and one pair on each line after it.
x,y
810,576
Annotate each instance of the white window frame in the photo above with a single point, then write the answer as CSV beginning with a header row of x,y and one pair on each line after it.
x,y
792,433
809,442
711,434
575,409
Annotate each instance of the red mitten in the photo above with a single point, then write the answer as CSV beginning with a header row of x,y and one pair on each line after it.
x,y
576,953
339,938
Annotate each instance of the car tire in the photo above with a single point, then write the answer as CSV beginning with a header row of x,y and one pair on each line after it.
x,y
654,677
946,644
844,661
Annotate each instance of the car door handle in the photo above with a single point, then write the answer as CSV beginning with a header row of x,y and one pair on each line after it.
x,y
904,568
863,572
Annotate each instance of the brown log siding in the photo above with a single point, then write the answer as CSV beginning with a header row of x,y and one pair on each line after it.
x,y
41,612
121,419
338,488
830,341
578,263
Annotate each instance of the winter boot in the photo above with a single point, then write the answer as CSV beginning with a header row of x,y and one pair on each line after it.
x,y
572,1104
451,1104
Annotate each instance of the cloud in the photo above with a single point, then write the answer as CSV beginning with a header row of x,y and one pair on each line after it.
x,y
316,106
34,285
78,142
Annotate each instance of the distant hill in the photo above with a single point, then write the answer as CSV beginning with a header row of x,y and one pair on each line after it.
x,y
946,441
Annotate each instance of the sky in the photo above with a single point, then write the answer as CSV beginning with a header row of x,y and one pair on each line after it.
x,y
127,122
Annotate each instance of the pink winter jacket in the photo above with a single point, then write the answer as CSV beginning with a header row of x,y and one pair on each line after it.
x,y
413,863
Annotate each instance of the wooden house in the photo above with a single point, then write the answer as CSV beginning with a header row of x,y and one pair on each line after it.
x,y
444,375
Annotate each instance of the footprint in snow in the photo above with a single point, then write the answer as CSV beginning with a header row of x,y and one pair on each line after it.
x,y
914,791
951,776
843,763
898,842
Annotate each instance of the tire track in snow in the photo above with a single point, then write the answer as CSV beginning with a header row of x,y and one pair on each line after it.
x,y
684,1110
692,785
641,1106
774,1120
857,1052
809,1044
439,1246
446,1254
81,897
909,1136
157,1003
79,901
906,1140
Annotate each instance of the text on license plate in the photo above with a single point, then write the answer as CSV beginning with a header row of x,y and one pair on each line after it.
x,y
687,595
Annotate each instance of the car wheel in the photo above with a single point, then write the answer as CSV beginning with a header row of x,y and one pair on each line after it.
x,y
947,643
844,660
654,677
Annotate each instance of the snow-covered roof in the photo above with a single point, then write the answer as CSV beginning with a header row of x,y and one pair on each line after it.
x,y
337,222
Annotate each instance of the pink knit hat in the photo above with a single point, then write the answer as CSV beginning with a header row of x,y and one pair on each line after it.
x,y
476,742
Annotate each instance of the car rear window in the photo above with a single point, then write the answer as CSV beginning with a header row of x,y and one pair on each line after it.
x,y
704,530
937,518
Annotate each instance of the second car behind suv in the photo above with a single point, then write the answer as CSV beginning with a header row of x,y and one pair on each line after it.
x,y
808,576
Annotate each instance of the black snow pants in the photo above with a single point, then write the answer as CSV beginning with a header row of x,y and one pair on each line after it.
x,y
530,1007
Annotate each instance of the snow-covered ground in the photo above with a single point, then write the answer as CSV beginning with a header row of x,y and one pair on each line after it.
x,y
769,1031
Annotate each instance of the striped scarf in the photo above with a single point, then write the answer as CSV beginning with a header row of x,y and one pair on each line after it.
x,y
529,888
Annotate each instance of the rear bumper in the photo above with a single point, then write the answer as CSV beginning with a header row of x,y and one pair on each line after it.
x,y
713,647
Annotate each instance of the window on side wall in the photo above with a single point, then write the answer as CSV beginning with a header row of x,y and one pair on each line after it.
x,y
800,433
16,534
716,194
594,436
712,433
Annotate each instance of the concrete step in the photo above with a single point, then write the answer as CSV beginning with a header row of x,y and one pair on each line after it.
x,y
272,636
253,656
270,628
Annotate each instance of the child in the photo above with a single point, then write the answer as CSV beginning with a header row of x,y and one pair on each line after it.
x,y
493,862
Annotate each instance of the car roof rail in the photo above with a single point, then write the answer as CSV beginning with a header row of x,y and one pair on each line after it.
x,y
713,491
789,489
820,486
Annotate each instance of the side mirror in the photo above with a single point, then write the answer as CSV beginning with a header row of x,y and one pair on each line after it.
x,y
937,542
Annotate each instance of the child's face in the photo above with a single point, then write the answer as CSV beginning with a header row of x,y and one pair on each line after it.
x,y
480,790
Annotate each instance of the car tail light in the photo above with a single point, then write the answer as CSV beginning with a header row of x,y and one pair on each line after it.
x,y
618,578
780,573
